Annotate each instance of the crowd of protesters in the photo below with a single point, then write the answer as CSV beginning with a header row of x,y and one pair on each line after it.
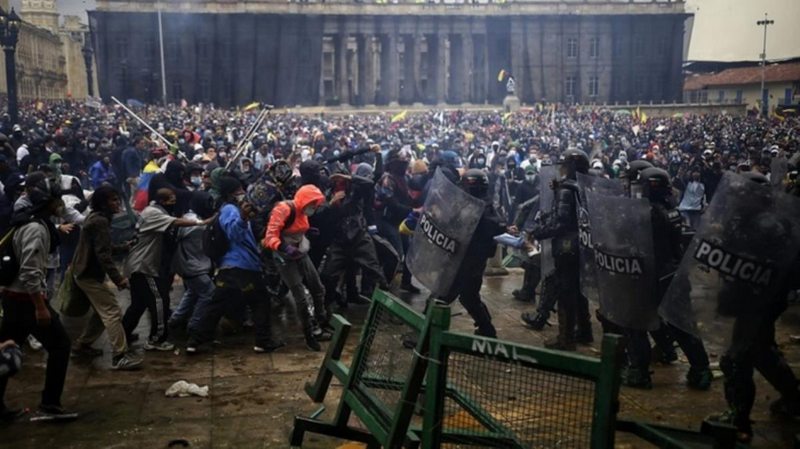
x,y
309,205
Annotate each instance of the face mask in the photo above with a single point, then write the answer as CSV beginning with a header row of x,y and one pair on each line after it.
x,y
336,153
181,141
501,172
197,181
530,178
239,198
481,162
91,146
309,211
170,208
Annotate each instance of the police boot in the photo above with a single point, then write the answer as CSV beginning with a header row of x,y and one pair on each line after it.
x,y
637,378
536,321
565,341
311,341
583,334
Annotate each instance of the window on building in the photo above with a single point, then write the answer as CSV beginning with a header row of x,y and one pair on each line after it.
x,y
569,87
787,96
594,83
122,47
721,96
594,47
572,47
739,96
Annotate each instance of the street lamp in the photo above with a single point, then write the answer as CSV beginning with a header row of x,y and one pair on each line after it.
x,y
9,34
764,97
87,59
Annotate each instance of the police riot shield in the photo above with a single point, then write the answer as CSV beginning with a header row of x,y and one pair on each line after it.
x,y
547,174
610,187
622,244
737,261
440,240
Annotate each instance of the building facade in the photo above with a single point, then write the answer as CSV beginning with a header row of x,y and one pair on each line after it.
x,y
742,85
232,53
50,63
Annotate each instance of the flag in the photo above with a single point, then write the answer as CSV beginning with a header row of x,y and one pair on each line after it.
x,y
252,106
39,105
501,76
643,117
638,113
506,116
399,117
140,199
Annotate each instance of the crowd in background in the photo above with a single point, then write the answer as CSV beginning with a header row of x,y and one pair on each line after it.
x,y
305,206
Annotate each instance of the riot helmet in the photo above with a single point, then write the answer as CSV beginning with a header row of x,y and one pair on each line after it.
x,y
574,161
656,183
281,171
755,176
475,182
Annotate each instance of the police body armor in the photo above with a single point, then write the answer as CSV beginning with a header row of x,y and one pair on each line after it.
x,y
737,262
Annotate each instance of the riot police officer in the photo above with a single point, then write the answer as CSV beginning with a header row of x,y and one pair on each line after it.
x,y
469,278
752,347
667,244
561,225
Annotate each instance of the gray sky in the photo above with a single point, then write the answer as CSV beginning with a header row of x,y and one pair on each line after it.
x,y
724,30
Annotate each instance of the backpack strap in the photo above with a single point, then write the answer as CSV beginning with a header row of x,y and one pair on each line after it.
x,y
292,214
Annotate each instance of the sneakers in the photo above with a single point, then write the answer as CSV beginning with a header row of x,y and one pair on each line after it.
x,y
34,343
52,413
699,379
85,351
637,378
163,346
126,362
267,347
322,334
535,321
519,295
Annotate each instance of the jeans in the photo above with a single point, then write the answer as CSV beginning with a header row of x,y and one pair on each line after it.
x,y
19,321
231,284
297,275
195,300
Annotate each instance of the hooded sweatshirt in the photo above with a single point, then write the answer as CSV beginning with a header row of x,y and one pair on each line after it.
x,y
277,232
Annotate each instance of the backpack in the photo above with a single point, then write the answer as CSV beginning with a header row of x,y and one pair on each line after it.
x,y
215,242
9,265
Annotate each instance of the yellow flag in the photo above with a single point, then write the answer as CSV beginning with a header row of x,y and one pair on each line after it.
x,y
643,117
252,106
507,116
501,76
400,117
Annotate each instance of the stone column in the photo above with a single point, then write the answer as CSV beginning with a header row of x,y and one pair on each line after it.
x,y
342,75
518,68
389,67
467,64
455,94
411,69
437,68
366,69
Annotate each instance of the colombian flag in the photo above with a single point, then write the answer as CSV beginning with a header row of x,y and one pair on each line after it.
x,y
140,199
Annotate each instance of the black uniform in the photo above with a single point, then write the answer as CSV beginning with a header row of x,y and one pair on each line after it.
x,y
469,278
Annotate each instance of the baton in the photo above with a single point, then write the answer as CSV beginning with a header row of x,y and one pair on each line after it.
x,y
181,155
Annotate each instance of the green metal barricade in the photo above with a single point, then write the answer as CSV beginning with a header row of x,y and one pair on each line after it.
x,y
413,382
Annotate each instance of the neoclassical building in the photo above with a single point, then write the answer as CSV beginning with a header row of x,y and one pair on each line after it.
x,y
403,52
49,56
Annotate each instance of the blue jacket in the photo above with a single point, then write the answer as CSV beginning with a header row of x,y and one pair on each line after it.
x,y
132,162
243,251
99,174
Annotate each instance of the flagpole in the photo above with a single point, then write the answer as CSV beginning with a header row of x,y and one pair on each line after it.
x,y
163,69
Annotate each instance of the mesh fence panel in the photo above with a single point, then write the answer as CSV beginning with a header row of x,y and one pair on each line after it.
x,y
386,366
531,408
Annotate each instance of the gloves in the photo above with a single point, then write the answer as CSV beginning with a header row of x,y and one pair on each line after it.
x,y
372,230
313,232
290,251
